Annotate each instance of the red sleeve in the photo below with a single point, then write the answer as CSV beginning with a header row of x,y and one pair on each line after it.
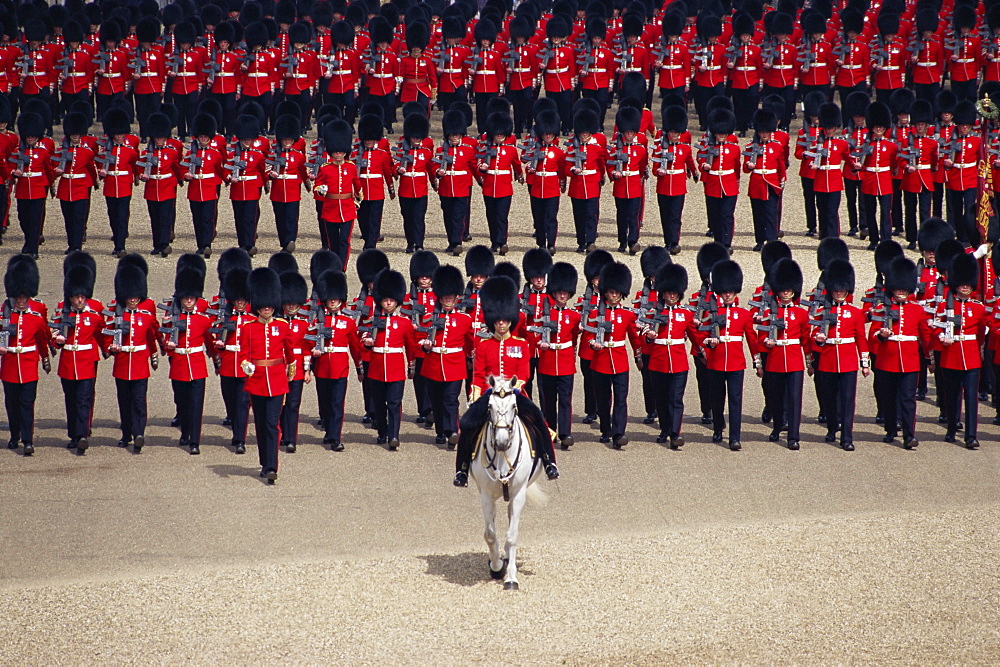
x,y
859,334
751,335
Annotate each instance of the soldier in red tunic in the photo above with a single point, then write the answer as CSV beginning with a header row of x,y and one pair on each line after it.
x,y
31,169
148,72
117,170
560,323
413,167
377,177
246,176
269,360
293,297
585,160
960,159
876,167
545,166
24,340
203,170
286,167
500,165
628,169
506,356
339,184
521,64
719,161
763,161
301,71
230,313
133,331
74,165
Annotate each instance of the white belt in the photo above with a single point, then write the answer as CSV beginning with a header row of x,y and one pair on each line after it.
x,y
840,341
673,172
72,176
964,165
785,342
447,350
966,60
902,339
185,74
159,177
827,167
218,74
745,69
765,171
781,67
630,173
78,74
189,350
133,348
497,172
414,173
521,69
890,68
558,71
78,348
452,71
614,343
456,173
671,67
260,74
199,177
712,69
877,170
583,172
730,339
923,166
597,70
721,172
299,76
485,71
296,350
668,341
340,72
330,350
388,350
232,348
561,346
819,64
286,177
155,74
370,175
119,173
958,338
383,76
245,178
546,173
931,64
853,66
29,174
112,76
21,350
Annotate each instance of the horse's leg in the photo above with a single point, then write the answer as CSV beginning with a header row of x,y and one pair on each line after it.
x,y
514,510
489,502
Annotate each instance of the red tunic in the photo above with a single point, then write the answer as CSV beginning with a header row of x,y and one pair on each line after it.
x,y
375,171
393,347
162,183
792,341
963,354
343,341
507,358
84,342
187,361
80,175
499,170
137,346
455,177
341,180
452,344
286,184
26,346
720,174
587,183
846,342
666,351
269,348
613,357
728,355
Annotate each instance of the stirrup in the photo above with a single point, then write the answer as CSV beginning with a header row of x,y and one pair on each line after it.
x,y
461,478
551,471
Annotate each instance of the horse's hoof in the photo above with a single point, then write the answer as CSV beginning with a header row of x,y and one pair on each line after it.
x,y
498,574
510,586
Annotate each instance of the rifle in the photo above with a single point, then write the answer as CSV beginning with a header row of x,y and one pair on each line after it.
x,y
842,50
511,60
547,325
24,61
223,314
138,62
547,54
708,148
950,322
436,323
880,51
653,319
861,153
120,327
666,152
67,320
192,161
103,59
416,310
734,50
150,162
290,62
66,65
769,51
322,335
403,153
361,161
443,57
444,160
362,311
20,158
177,325
533,152
316,159
277,160
619,158
817,151
662,49
601,327
883,308
772,323
211,69
826,317
816,299
6,326
703,54
238,164
106,157
487,152
65,155
911,153
711,319
753,150
376,324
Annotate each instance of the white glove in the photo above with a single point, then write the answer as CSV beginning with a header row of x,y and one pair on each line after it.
x,y
981,251
248,368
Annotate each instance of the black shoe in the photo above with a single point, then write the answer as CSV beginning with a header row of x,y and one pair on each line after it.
x,y
765,416
240,447
620,442
139,443
290,448
872,246
757,247
735,446
466,237
911,245
227,422
879,419
263,473
717,437
662,438
676,443
29,449
983,396
996,420
889,437
123,443
566,443
810,232
420,419
910,443
336,446
649,419
793,445
830,437
81,446
675,250
821,418
972,443
589,419
863,234
272,477
853,231
502,249
429,422
848,446
440,440
382,439
949,436
621,247
605,439
706,419
461,478
367,419
942,419
195,450
394,444
409,250
921,395
551,471
774,436
175,422
12,444
452,442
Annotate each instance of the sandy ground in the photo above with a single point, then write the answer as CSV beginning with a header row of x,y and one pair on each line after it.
x,y
644,556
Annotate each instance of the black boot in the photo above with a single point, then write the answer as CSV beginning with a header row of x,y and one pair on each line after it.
x,y
461,478
551,470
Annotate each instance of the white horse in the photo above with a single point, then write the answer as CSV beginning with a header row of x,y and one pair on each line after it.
x,y
504,467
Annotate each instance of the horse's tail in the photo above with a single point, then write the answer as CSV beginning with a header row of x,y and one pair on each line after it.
x,y
537,495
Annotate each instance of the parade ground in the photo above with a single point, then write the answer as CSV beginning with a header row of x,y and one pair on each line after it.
x,y
641,556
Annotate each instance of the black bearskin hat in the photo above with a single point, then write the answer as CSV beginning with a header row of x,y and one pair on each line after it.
x,y
148,29
743,24
224,32
520,28
771,253
331,285
130,282
448,281
500,300
856,104
596,27
287,127
264,289
927,20
922,112
389,284
546,122
380,30
283,262
232,258
189,282
341,32
30,125
255,35
946,252
324,260
370,263
110,32
453,28
246,128
536,263
781,24
563,277
838,276
158,126
21,278
299,32
671,278
812,103
722,121
499,124
964,271
945,102
675,119
830,249
586,122
416,127
932,232
964,16
885,252
901,101
204,125
852,20
338,137
423,263
708,255
190,260
417,36
902,275
80,258
765,120
830,116
78,280
293,288
628,119
708,25
115,122
508,269
557,27
594,263
615,276
234,287
479,261
652,258
726,276
812,22
965,113
184,33
673,24
888,23
453,122
485,30
631,25
786,274
370,128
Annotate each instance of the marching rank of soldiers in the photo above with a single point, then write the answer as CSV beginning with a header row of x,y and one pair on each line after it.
x,y
268,333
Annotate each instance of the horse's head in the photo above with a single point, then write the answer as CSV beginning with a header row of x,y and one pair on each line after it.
x,y
503,410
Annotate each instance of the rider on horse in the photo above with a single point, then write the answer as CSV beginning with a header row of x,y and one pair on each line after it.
x,y
502,355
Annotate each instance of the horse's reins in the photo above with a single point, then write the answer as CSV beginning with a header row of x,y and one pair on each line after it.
x,y
492,460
